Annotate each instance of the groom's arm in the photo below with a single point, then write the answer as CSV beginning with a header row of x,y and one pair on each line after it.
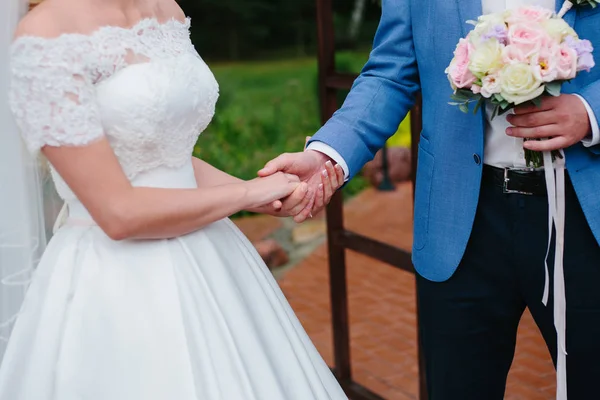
x,y
380,98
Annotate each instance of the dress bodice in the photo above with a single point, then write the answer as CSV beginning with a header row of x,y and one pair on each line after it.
x,y
144,88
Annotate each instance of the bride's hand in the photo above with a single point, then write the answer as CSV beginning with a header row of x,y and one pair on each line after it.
x,y
263,191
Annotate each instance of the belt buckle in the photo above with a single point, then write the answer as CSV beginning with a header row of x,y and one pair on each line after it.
x,y
505,188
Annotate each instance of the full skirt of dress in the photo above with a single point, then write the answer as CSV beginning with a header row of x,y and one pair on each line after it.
x,y
198,317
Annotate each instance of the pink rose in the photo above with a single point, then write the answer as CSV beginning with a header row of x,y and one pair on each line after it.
x,y
476,89
567,63
513,54
490,86
545,63
528,37
529,15
458,72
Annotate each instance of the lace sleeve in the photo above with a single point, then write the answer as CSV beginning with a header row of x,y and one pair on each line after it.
x,y
52,96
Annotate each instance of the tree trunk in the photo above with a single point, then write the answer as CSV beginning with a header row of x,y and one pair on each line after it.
x,y
358,14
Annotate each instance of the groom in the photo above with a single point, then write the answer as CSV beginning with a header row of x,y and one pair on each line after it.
x,y
480,222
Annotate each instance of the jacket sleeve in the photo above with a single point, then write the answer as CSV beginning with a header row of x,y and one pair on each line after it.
x,y
591,95
381,96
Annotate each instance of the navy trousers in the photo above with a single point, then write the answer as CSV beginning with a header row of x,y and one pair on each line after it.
x,y
469,323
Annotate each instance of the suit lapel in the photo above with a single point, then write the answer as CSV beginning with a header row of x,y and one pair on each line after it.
x,y
468,10
569,16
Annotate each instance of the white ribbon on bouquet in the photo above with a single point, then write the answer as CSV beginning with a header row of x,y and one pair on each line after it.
x,y
555,184
567,5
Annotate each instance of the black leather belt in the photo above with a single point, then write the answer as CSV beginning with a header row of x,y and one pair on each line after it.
x,y
516,181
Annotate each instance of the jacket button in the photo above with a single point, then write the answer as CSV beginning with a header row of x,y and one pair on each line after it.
x,y
477,159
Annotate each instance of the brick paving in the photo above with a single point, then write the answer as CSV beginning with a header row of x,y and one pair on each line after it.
x,y
382,309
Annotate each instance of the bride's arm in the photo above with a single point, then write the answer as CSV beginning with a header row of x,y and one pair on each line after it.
x,y
126,212
209,176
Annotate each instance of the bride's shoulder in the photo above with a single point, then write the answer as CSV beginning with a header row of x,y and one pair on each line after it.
x,y
177,13
48,20
50,35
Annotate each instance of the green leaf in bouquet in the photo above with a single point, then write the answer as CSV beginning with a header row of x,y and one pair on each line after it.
x,y
458,97
505,110
462,98
495,112
553,88
581,3
462,95
466,92
479,104
537,101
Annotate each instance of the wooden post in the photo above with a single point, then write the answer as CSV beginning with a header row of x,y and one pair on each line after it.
x,y
341,239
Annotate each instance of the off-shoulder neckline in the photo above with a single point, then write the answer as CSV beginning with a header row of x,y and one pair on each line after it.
x,y
142,24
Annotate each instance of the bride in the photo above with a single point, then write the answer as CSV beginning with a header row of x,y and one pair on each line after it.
x,y
146,290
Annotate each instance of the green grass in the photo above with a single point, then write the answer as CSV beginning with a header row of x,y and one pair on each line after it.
x,y
265,109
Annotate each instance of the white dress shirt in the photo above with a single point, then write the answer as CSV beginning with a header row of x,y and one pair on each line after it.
x,y
500,150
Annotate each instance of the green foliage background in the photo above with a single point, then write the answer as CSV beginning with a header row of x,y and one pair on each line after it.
x,y
259,29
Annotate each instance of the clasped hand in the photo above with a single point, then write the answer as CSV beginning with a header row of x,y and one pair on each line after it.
x,y
316,177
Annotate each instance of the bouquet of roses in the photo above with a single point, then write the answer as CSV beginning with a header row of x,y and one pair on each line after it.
x,y
515,57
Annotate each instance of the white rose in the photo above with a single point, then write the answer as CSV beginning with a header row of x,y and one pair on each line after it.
x,y
558,29
484,24
490,85
518,83
486,57
490,20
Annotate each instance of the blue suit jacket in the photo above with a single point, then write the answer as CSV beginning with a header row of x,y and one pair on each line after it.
x,y
413,45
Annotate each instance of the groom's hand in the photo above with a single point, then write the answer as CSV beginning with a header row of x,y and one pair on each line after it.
x,y
309,166
563,120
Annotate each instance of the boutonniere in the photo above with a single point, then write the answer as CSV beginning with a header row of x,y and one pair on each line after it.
x,y
568,4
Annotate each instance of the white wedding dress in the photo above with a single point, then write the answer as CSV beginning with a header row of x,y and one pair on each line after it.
x,y
198,317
